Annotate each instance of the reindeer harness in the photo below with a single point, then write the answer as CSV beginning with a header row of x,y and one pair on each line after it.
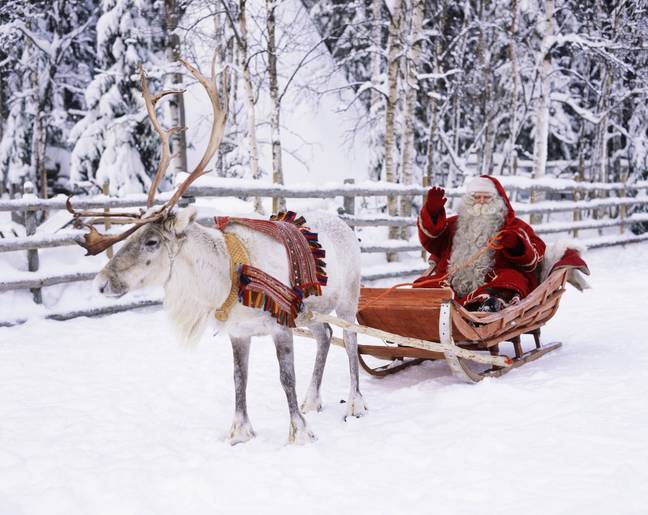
x,y
257,289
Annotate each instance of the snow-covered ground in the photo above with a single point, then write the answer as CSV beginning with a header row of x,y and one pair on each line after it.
x,y
110,416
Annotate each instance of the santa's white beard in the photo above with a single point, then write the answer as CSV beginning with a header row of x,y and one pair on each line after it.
x,y
477,223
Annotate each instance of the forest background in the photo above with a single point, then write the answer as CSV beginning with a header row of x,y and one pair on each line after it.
x,y
428,91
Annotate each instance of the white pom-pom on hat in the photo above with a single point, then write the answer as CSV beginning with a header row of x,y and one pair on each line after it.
x,y
481,185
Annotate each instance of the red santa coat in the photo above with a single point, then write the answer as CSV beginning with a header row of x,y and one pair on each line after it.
x,y
515,270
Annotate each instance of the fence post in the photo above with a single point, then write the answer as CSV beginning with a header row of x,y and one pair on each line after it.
x,y
105,189
622,211
31,223
349,200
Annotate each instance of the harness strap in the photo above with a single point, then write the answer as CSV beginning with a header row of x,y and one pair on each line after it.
x,y
238,256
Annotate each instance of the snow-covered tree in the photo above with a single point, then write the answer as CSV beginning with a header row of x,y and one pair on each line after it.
x,y
114,142
47,41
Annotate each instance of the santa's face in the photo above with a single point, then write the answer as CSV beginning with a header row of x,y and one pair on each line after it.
x,y
479,204
482,198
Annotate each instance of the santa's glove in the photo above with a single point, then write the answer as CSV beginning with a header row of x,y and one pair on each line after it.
x,y
511,241
434,201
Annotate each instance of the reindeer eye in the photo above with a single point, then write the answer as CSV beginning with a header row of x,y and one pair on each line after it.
x,y
151,243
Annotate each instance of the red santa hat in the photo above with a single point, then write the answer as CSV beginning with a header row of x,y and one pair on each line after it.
x,y
489,184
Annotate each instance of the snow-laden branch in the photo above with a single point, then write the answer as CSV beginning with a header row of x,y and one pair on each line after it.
x,y
575,39
42,44
588,115
441,75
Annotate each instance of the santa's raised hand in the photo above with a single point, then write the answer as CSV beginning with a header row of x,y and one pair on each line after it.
x,y
435,200
432,213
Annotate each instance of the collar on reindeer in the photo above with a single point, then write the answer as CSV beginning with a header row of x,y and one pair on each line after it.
x,y
238,256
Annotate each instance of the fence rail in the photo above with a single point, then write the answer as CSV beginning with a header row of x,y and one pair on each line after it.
x,y
595,199
233,188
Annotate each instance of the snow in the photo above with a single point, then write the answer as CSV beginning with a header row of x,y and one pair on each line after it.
x,y
110,416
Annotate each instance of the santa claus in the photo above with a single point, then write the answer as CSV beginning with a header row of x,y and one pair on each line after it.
x,y
487,255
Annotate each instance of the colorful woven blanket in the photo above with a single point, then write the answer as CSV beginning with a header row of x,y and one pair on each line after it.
x,y
259,289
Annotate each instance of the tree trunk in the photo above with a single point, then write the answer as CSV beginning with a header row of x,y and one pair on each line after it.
x,y
393,65
42,87
249,101
489,132
432,176
409,113
540,144
376,135
601,152
220,57
514,90
278,204
3,116
176,105
456,108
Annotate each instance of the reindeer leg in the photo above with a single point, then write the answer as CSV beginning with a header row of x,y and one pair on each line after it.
x,y
241,430
299,431
313,402
356,406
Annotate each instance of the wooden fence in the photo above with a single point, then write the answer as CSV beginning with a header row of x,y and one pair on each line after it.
x,y
592,206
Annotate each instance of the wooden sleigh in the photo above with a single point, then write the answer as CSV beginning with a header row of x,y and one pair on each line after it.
x,y
421,324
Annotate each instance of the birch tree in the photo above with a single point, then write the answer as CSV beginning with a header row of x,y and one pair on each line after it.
x,y
173,10
239,28
414,42
244,61
278,204
541,135
394,55
377,99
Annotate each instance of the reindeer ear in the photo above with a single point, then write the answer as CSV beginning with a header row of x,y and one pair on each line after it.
x,y
183,218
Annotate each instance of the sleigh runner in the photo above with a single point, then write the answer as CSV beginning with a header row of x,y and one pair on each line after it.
x,y
428,324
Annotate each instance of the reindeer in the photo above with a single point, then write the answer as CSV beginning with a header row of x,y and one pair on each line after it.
x,y
166,246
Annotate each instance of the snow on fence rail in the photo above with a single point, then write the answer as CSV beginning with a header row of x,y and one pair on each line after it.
x,y
239,188
626,195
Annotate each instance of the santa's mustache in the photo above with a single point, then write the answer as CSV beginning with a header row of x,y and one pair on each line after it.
x,y
489,208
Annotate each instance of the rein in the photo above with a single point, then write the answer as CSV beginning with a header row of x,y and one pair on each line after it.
x,y
444,280
172,256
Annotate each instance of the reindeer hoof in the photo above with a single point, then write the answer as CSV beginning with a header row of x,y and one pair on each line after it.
x,y
356,407
300,434
240,432
311,404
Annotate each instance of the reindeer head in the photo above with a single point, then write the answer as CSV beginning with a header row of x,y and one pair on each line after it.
x,y
156,234
147,257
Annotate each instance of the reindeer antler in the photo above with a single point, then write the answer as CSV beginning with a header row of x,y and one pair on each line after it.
x,y
165,135
95,242
219,113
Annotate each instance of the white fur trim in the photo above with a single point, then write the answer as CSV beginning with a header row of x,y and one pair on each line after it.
x,y
554,252
481,185
419,223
